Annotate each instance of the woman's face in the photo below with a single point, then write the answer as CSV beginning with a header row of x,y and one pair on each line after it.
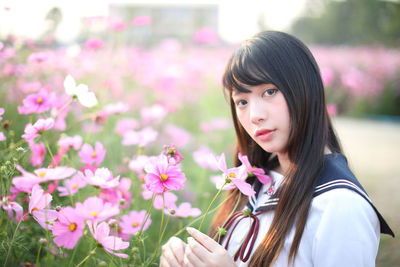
x,y
264,115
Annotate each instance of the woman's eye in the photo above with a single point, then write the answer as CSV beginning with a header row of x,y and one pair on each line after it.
x,y
270,92
241,103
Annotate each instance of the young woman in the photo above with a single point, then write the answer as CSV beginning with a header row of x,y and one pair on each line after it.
x,y
315,212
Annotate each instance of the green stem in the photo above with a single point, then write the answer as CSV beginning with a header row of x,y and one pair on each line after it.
x,y
51,154
12,240
147,215
227,218
37,256
87,257
212,202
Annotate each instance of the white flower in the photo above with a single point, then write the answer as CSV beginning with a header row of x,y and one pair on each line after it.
x,y
86,98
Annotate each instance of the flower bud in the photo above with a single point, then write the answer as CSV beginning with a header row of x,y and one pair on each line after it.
x,y
221,231
172,211
58,208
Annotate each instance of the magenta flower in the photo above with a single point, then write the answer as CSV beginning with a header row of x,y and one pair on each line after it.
x,y
71,186
178,136
88,155
332,109
205,158
102,178
140,138
258,172
215,124
236,176
132,222
125,125
205,36
139,163
37,103
101,233
26,182
116,108
66,142
184,210
1,113
142,20
94,44
38,153
39,207
162,177
173,155
153,114
2,137
10,206
117,24
35,130
38,57
95,209
68,229
169,200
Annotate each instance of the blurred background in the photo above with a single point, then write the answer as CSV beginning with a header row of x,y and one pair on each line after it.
x,y
172,53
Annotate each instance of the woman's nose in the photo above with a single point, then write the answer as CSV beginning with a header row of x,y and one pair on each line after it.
x,y
257,113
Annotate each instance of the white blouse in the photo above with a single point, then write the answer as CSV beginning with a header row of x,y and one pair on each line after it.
x,y
342,229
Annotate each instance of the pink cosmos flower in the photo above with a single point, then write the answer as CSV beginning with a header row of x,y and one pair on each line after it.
x,y
215,124
205,36
1,113
153,114
184,210
173,155
178,136
38,153
117,24
162,177
35,130
26,182
102,178
258,172
125,125
140,138
95,209
205,158
39,207
327,76
68,229
118,196
37,103
332,109
38,57
10,206
101,233
142,20
2,137
236,176
94,44
66,142
139,163
132,222
88,155
116,108
71,186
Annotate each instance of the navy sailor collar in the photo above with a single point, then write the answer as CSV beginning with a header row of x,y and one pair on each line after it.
x,y
335,174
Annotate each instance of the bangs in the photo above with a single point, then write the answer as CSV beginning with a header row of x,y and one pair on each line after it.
x,y
242,70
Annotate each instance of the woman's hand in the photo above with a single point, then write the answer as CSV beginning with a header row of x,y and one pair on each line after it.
x,y
202,250
172,253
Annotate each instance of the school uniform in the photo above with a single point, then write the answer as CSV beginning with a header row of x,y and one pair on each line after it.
x,y
342,229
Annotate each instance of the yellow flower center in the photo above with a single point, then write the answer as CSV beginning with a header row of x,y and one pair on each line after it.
x,y
94,155
135,224
72,227
35,209
163,177
75,186
232,175
39,100
42,174
94,214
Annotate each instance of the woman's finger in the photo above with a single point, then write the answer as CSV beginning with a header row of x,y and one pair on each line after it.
x,y
198,249
163,262
191,259
207,242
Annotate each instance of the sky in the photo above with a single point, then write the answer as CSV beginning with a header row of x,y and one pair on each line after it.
x,y
237,18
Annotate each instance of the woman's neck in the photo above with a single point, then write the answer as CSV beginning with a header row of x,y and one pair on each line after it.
x,y
284,163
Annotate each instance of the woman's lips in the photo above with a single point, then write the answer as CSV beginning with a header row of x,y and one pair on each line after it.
x,y
264,135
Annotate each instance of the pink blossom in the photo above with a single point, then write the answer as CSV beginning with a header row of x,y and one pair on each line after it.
x,y
39,207
258,172
139,163
1,45
132,222
2,137
94,44
205,36
95,209
68,229
35,130
184,210
125,125
102,178
140,138
66,142
142,20
153,114
71,186
89,156
169,200
205,158
37,103
38,57
327,76
116,108
332,109
162,177
178,136
38,153
117,24
215,124
26,182
101,233
236,176
118,196
173,155
1,113
10,206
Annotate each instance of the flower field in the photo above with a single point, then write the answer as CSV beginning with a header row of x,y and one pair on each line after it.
x,y
107,150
